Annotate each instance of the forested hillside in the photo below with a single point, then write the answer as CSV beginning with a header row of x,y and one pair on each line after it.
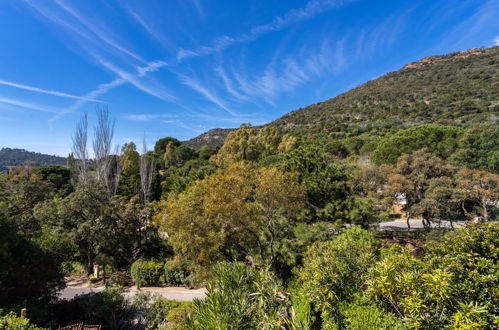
x,y
213,138
15,157
451,89
448,89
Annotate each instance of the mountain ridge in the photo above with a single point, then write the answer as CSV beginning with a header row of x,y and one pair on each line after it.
x,y
10,157
448,89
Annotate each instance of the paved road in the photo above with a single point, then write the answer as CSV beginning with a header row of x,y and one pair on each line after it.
x,y
400,225
173,293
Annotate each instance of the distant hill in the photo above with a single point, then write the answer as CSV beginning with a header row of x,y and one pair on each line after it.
x,y
447,89
213,138
15,157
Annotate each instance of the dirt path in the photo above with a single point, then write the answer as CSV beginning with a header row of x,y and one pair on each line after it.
x,y
174,293
401,225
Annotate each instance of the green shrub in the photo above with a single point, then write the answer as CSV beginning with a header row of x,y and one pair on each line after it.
x,y
71,268
471,256
148,272
455,284
241,297
356,316
109,308
163,311
334,270
440,141
12,322
121,278
177,317
175,275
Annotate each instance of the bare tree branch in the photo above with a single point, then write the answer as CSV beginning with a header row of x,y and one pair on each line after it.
x,y
80,149
146,172
102,144
116,168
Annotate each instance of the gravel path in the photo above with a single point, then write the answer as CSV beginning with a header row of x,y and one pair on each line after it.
x,y
173,293
400,225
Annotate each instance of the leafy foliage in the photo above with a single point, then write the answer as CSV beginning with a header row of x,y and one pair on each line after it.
x,y
440,141
28,272
147,272
167,314
12,322
239,298
479,148
236,212
334,270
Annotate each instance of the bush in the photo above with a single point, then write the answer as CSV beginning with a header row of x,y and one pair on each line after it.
x,y
121,278
177,317
440,141
175,275
71,268
241,297
163,311
109,308
12,322
356,316
471,255
335,270
149,272
455,284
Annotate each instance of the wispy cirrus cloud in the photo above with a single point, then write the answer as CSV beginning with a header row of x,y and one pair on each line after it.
x,y
26,105
100,32
148,27
106,87
148,117
155,90
198,7
190,127
95,37
481,23
311,9
199,87
91,34
45,91
98,41
283,76
496,41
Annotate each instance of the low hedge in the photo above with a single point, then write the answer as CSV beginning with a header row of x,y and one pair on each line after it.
x,y
148,272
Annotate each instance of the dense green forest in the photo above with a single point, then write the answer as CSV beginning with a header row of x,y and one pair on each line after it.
x,y
280,223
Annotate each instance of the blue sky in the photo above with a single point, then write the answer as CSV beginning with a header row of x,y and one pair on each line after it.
x,y
180,67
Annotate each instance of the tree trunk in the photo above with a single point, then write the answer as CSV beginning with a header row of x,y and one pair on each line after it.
x,y
90,263
485,211
408,222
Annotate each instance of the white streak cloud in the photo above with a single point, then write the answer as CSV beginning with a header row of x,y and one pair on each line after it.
x,y
157,91
311,9
201,89
148,117
26,105
45,91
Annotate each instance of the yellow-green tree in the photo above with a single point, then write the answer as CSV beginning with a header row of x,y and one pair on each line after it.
x,y
130,176
249,144
237,212
240,145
